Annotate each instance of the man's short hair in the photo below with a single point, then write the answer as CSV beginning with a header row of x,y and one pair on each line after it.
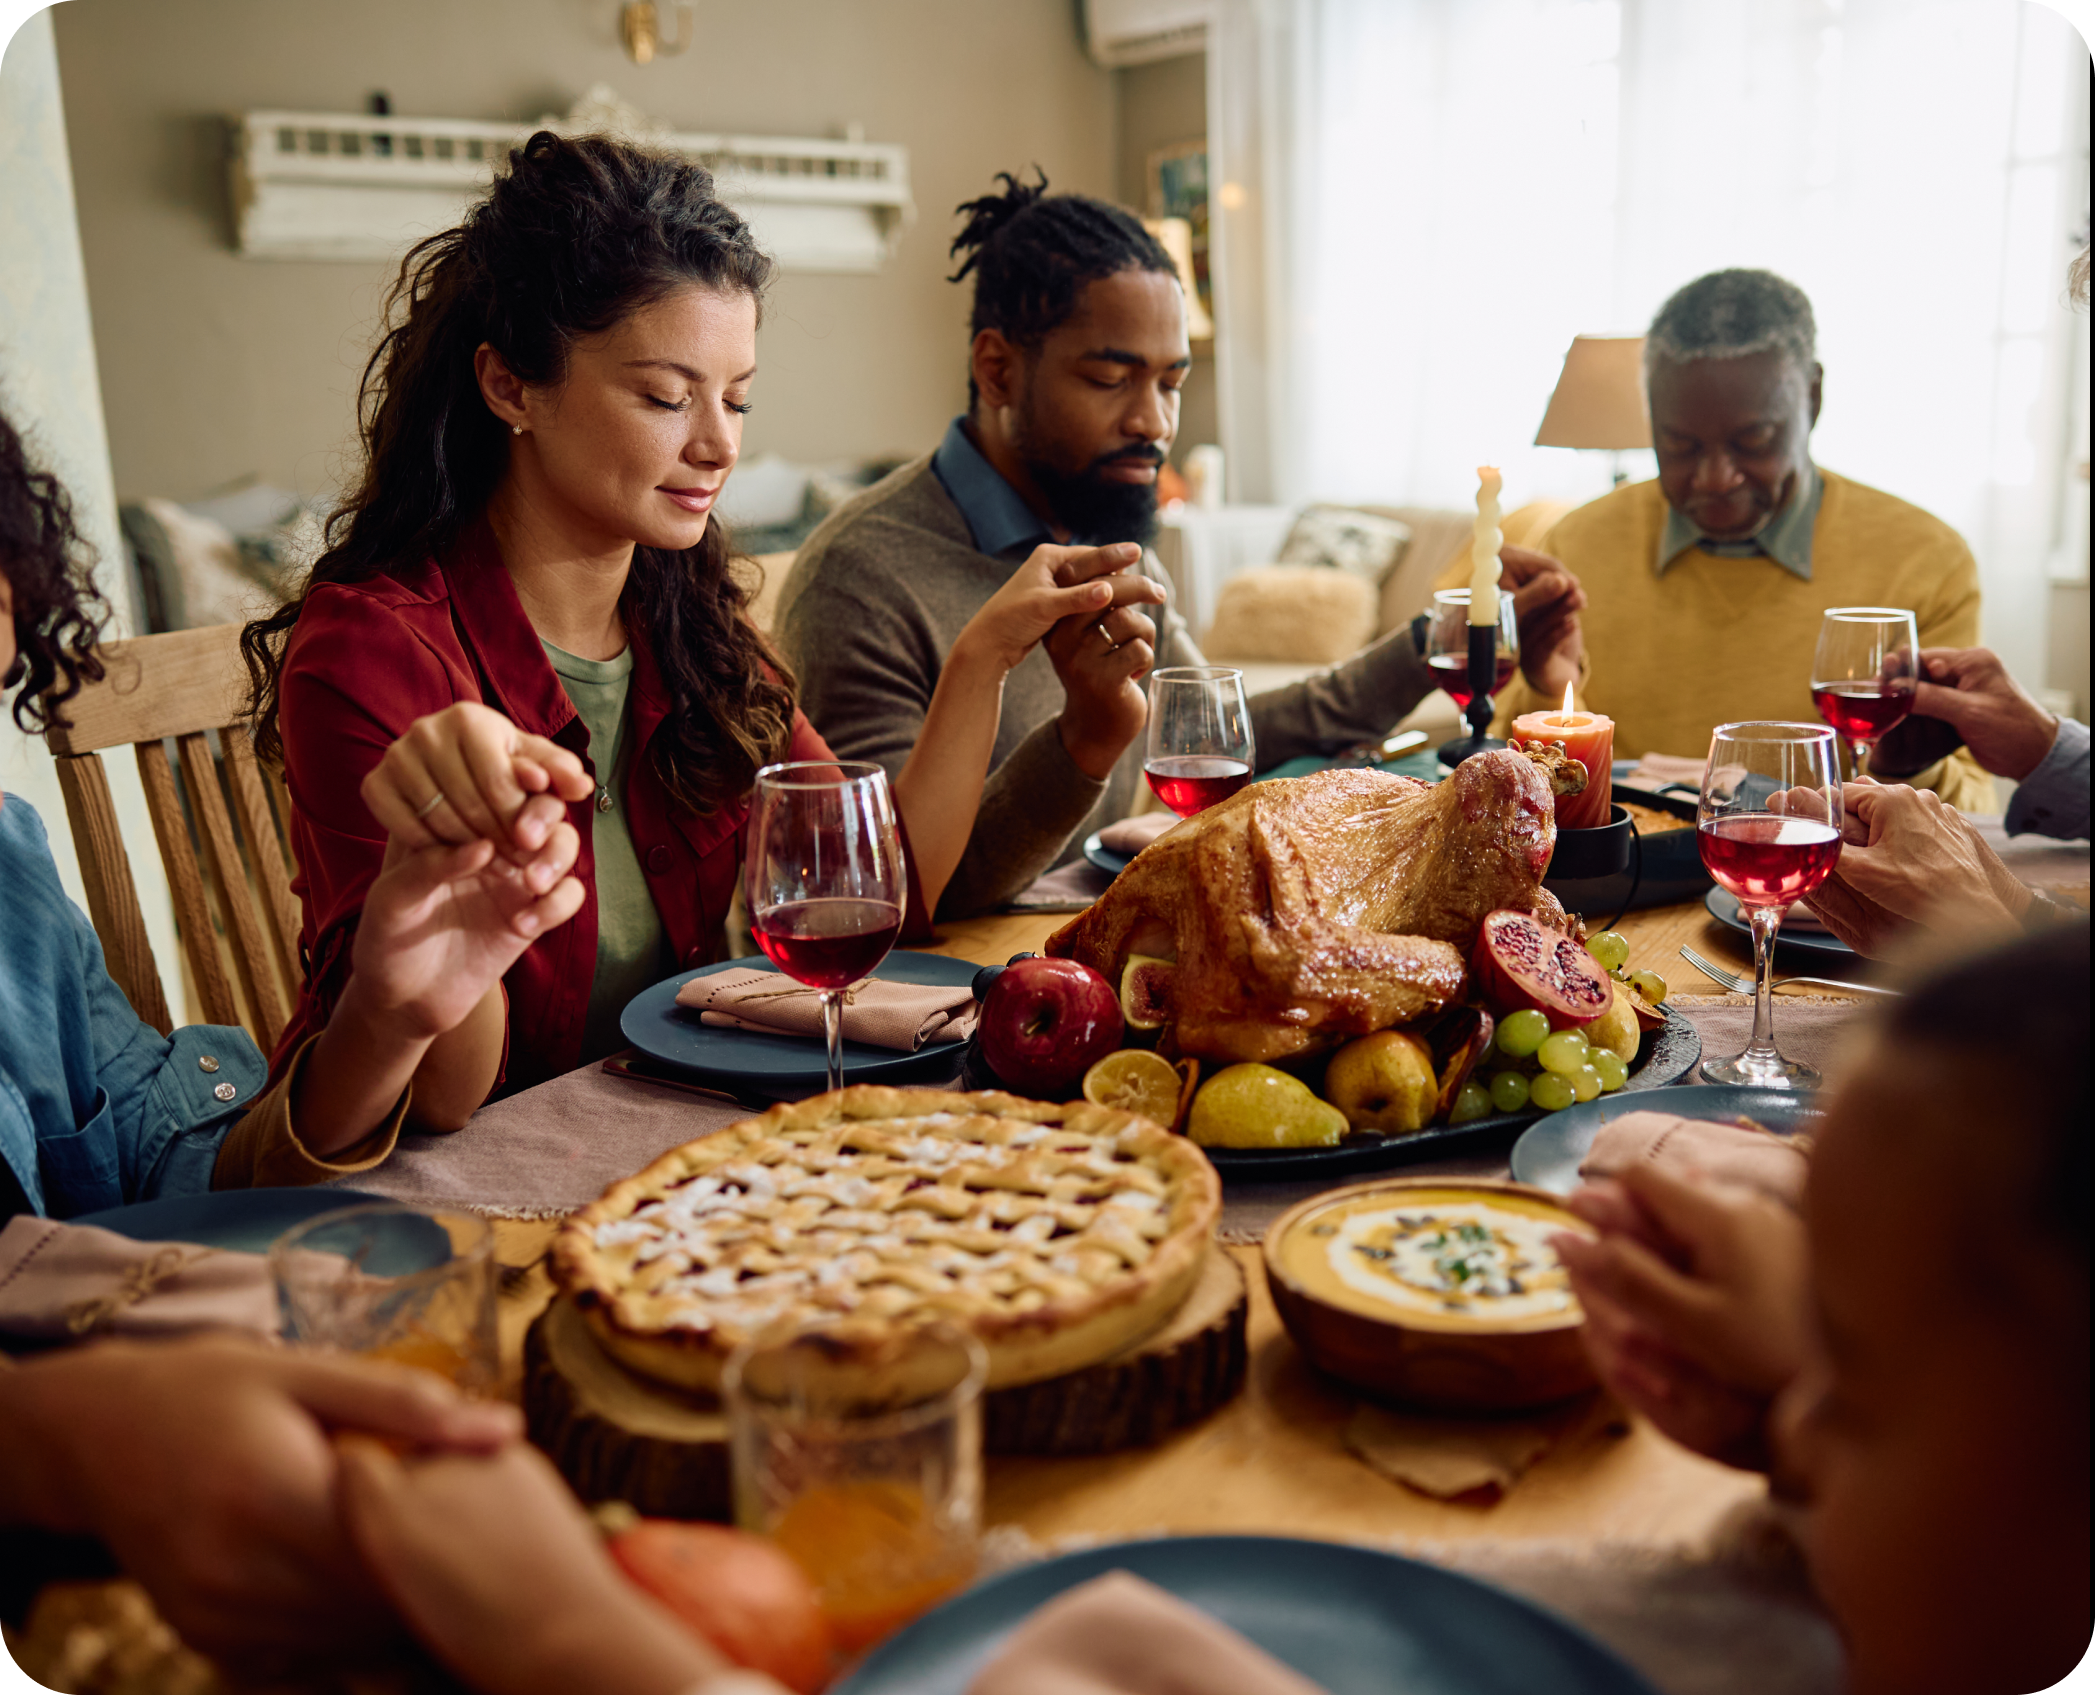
x,y
1730,314
1032,253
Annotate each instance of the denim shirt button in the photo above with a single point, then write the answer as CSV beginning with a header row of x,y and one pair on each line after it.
x,y
225,1091
207,1063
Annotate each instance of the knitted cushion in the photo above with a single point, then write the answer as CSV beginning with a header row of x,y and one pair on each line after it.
x,y
1305,614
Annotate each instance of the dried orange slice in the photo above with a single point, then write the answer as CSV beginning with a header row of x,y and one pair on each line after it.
x,y
1136,1080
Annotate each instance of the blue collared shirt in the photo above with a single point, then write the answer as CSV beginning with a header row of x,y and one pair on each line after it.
x,y
97,1108
1785,538
996,517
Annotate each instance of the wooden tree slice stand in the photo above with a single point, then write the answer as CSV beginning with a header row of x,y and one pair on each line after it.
x,y
617,1436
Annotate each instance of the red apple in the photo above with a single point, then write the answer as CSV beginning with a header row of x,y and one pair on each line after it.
x,y
1046,1022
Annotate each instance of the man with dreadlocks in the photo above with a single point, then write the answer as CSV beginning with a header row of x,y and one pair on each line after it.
x,y
1708,583
1079,350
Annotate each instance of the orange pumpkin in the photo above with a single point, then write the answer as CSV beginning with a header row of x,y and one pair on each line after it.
x,y
736,1591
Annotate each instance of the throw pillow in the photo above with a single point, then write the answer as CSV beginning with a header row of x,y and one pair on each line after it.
x,y
1364,543
1302,614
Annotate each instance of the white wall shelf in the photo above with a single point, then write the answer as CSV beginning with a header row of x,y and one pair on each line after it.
x,y
333,185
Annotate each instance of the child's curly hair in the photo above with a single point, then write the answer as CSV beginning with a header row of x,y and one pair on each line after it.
x,y
58,614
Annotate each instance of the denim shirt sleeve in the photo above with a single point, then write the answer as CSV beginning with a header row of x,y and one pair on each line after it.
x,y
104,1110
2053,799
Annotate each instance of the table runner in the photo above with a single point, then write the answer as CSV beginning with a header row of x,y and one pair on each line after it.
x,y
554,1149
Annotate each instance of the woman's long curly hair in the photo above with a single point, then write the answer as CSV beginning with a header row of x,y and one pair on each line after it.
x,y
575,235
58,615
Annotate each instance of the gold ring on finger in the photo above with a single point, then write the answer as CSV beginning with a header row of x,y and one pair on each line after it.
x,y
428,806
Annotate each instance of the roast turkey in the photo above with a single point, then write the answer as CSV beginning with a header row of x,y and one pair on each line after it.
x,y
1305,911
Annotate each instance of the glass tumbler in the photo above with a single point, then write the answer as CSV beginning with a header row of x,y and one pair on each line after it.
x,y
861,1456
394,1282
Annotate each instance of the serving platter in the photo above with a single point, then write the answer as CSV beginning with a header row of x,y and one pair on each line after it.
x,y
1550,1150
664,1031
1724,907
1665,1056
1355,1621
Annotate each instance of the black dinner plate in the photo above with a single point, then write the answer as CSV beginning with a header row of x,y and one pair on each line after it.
x,y
1353,1620
664,1031
1724,908
243,1221
1111,863
1550,1150
1665,1056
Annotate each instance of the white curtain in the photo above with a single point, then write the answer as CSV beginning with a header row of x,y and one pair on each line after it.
x,y
1432,197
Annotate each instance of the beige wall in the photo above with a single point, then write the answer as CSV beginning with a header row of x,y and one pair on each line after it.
x,y
1161,105
216,368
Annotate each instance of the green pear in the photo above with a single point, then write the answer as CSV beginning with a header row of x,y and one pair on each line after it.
x,y
1256,1106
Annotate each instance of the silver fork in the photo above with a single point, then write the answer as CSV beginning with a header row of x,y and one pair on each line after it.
x,y
1732,983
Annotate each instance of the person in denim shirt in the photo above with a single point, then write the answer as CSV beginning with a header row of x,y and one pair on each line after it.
x,y
97,1108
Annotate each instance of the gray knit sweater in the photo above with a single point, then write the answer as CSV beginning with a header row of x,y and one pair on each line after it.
x,y
872,606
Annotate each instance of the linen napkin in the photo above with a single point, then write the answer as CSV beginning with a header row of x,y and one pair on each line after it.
x,y
1475,1460
1132,835
62,1282
1121,1635
902,1016
1656,769
1725,1153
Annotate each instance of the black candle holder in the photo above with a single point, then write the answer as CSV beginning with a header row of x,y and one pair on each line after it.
x,y
1602,851
1483,677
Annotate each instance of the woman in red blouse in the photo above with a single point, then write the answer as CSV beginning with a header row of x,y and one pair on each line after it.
x,y
547,424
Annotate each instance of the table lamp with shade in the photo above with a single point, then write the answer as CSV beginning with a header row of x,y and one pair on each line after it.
x,y
1599,399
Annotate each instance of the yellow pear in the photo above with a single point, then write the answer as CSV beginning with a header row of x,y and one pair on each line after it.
x,y
1384,1082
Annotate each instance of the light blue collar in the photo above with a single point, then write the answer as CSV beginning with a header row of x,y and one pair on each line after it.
x,y
1786,538
998,519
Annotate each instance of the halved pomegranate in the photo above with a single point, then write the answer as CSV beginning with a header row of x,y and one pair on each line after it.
x,y
1520,964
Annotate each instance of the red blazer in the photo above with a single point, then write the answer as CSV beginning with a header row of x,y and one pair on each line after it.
x,y
364,662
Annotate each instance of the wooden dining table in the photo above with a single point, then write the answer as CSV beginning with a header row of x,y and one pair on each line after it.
x,y
1275,1460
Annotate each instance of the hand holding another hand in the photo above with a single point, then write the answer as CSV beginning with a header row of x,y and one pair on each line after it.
x,y
1966,695
1696,1302
1547,600
1102,654
1909,860
468,774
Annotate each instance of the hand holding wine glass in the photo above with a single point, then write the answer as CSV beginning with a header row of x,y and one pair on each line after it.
x,y
824,878
1769,828
1200,743
1862,676
1447,644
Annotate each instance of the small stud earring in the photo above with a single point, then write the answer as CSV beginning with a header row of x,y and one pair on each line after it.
x,y
516,429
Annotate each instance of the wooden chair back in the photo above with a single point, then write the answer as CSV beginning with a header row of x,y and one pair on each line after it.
x,y
232,887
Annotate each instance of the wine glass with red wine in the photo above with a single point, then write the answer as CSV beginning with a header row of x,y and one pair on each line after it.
x,y
1447,644
824,879
1200,745
1769,829
1863,674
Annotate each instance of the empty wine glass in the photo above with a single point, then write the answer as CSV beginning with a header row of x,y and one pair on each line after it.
x,y
1447,644
824,878
1769,827
1200,744
1863,673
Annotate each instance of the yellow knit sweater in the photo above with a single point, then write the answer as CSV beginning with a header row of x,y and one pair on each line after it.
x,y
1717,640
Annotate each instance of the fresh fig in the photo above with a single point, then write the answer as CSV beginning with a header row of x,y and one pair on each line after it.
x,y
1460,1038
1145,991
1520,964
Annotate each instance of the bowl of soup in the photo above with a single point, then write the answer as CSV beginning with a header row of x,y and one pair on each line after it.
x,y
1433,1292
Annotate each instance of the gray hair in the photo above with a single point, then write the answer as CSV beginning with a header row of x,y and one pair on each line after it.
x,y
1729,314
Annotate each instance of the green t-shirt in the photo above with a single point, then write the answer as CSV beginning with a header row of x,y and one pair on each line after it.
x,y
632,950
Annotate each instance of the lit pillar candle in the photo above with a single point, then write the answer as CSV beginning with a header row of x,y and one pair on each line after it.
x,y
1590,739
1485,541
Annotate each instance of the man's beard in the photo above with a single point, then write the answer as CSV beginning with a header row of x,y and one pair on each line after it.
x,y
1092,508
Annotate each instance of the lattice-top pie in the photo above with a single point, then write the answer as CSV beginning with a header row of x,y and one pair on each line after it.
x,y
1057,1234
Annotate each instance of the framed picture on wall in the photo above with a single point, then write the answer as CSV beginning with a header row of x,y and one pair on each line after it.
x,y
1178,188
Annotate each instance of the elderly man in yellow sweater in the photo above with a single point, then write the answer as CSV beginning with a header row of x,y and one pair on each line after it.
x,y
1705,588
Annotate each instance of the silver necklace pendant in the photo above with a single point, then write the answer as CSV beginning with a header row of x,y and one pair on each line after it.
x,y
603,800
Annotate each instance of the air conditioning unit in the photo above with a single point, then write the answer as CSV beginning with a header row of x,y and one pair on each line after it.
x,y
1135,32
331,185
